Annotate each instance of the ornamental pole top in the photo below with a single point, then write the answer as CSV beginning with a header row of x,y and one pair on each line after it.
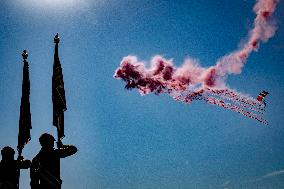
x,y
25,55
56,39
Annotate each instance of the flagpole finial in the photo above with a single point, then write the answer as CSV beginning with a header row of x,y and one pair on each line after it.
x,y
56,39
25,55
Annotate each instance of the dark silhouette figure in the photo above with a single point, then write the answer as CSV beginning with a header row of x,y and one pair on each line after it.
x,y
45,169
9,168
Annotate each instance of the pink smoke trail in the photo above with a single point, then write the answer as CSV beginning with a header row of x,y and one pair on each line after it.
x,y
237,109
236,98
263,29
192,82
237,103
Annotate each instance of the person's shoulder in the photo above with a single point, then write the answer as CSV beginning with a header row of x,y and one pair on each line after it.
x,y
37,157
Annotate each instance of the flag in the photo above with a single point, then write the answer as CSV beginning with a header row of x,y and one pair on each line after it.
x,y
58,92
25,114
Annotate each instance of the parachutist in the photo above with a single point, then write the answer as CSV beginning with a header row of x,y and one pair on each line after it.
x,y
261,97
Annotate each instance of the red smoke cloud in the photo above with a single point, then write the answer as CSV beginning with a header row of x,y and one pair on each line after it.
x,y
193,82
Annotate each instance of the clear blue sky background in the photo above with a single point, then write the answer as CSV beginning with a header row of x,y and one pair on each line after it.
x,y
126,141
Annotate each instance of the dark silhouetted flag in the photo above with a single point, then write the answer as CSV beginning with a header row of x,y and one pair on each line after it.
x,y
25,113
58,93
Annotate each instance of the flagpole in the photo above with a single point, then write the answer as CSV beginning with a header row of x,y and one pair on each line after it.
x,y
56,41
58,120
20,147
59,143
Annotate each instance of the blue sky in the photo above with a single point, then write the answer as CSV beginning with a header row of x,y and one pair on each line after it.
x,y
127,141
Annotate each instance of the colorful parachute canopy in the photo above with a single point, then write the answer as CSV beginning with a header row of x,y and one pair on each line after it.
x,y
262,95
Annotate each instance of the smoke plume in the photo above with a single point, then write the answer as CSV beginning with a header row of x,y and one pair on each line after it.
x,y
192,82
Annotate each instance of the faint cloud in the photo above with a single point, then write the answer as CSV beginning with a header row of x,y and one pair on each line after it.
x,y
275,173
226,183
268,175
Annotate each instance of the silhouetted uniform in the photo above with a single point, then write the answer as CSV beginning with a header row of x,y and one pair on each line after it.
x,y
9,168
45,169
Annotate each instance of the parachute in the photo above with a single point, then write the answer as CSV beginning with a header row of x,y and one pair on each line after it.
x,y
261,97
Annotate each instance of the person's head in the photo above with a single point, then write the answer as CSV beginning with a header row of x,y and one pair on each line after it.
x,y
46,141
7,153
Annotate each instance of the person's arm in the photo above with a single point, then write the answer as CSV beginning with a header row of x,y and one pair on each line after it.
x,y
66,150
23,163
34,174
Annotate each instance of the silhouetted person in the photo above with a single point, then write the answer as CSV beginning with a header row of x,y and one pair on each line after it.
x,y
45,169
9,168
